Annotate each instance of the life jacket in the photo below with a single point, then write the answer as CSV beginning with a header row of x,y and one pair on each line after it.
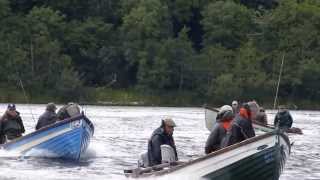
x,y
226,124
245,113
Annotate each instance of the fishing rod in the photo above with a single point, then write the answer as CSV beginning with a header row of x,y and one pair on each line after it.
x,y
278,84
26,98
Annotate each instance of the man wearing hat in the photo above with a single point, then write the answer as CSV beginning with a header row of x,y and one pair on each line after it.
x,y
162,135
11,123
283,118
48,117
220,129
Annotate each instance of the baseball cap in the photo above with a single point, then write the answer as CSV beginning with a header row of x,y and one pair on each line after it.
x,y
11,107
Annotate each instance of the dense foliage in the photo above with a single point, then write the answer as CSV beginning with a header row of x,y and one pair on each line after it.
x,y
217,50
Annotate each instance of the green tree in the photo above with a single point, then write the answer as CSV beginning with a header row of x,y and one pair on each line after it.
x,y
227,24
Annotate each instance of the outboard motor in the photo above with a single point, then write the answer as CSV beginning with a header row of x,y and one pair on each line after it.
x,y
167,154
143,160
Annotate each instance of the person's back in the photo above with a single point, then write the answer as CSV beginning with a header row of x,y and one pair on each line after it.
x,y
69,110
48,117
283,119
262,117
219,131
159,137
12,125
241,127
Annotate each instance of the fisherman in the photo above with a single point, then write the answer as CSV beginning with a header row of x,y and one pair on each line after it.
x,y
11,122
162,135
241,127
283,118
48,117
262,116
69,110
217,135
235,107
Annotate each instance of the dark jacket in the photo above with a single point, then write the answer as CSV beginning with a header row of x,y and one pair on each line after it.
x,y
215,138
241,129
283,120
47,118
12,127
2,135
262,118
158,138
62,113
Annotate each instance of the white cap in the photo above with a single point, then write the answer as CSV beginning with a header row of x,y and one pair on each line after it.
x,y
225,108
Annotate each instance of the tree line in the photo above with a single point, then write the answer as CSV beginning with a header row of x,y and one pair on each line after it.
x,y
217,50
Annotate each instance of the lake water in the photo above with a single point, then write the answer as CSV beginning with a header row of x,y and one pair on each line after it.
x,y
121,134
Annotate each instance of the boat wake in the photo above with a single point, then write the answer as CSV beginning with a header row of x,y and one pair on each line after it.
x,y
43,153
9,154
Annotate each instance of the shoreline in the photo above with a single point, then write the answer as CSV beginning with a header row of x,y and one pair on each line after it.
x,y
109,97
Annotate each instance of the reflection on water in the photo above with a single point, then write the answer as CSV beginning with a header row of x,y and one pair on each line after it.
x,y
121,134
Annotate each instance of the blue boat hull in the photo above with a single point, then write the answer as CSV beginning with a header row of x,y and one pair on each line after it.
x,y
68,139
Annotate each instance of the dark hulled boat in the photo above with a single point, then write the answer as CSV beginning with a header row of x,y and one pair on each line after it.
x,y
260,157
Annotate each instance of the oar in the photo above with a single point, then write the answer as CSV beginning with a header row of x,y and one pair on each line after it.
x,y
138,171
210,117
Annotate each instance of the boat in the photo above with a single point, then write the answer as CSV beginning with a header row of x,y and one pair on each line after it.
x,y
66,139
260,157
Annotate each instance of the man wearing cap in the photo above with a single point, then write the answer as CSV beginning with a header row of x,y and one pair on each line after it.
x,y
219,131
162,135
11,123
283,118
48,117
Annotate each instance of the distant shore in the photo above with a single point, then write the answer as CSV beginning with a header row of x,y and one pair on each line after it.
x,y
109,97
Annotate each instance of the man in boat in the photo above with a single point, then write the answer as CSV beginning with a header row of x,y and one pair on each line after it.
x,y
262,117
283,118
11,122
235,107
241,127
219,131
162,135
69,110
48,117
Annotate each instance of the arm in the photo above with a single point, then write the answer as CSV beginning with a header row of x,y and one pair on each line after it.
x,y
21,124
38,126
251,132
276,120
211,144
290,121
156,150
